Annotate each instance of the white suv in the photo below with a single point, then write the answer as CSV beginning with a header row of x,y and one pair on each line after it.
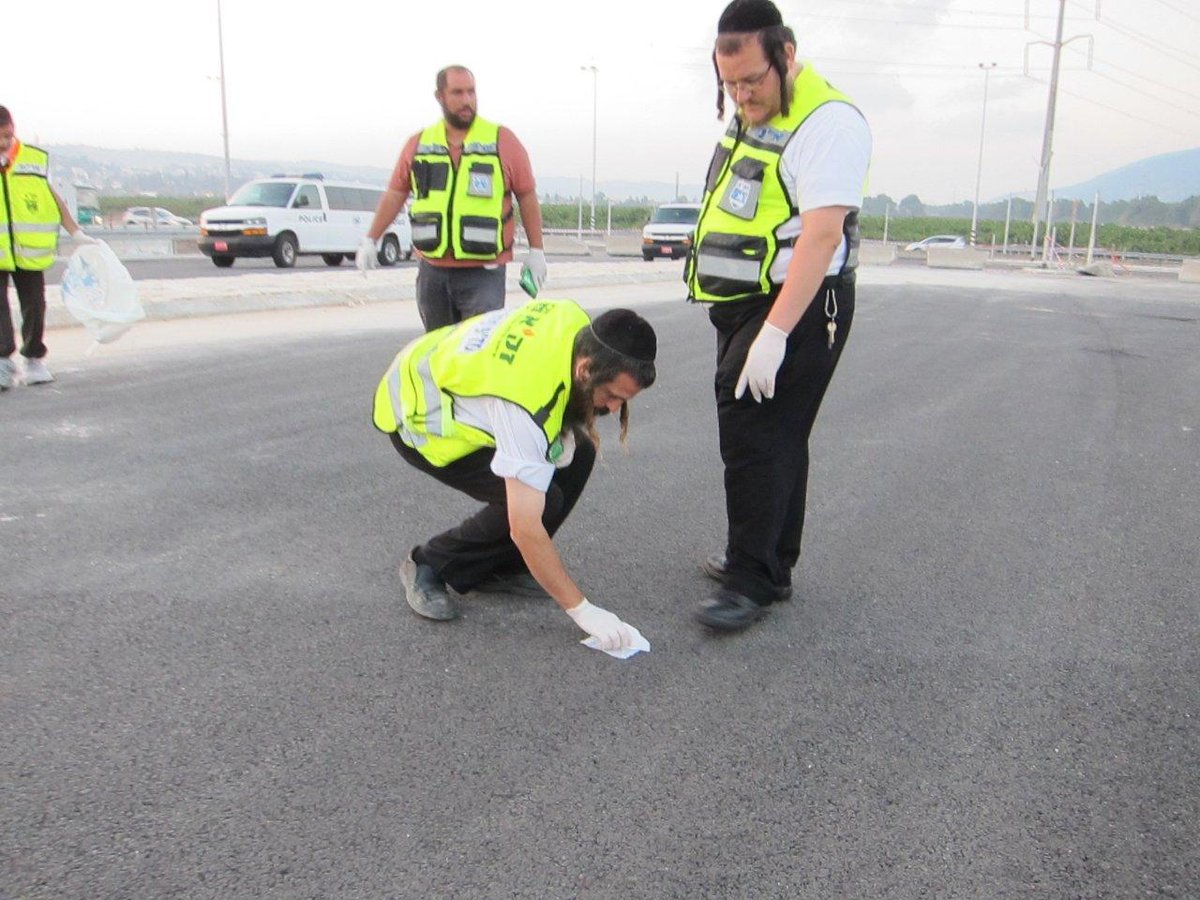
x,y
286,216
669,232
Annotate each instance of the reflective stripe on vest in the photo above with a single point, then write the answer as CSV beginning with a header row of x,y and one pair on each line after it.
x,y
459,210
746,203
29,217
521,355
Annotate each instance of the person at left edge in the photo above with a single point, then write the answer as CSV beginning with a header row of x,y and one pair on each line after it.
x,y
502,407
30,216
462,173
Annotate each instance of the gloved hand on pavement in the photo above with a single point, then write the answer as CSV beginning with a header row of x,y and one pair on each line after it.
x,y
82,237
762,362
611,632
535,264
367,257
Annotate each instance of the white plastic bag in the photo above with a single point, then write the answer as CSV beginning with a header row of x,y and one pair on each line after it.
x,y
99,291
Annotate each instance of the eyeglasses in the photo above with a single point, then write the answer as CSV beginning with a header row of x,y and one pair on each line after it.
x,y
746,84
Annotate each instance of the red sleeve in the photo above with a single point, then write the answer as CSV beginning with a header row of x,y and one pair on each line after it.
x,y
402,174
518,171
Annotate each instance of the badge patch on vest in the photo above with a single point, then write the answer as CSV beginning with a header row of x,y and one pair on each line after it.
x,y
480,184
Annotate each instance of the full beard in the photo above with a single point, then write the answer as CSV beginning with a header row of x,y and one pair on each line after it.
x,y
460,120
581,412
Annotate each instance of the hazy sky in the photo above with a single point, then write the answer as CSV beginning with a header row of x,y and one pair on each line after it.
x,y
347,81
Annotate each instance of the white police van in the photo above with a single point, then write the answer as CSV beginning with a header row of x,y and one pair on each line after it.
x,y
286,216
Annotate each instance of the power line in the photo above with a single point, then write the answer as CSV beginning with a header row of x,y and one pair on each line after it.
x,y
1178,55
1129,87
877,20
937,9
1120,112
1182,12
1153,81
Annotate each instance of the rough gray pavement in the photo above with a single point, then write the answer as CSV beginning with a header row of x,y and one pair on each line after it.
x,y
985,687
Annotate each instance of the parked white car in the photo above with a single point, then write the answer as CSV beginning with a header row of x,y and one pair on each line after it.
x,y
955,241
153,217
286,216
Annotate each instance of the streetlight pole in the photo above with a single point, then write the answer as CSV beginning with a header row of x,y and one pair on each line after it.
x,y
987,70
595,79
224,111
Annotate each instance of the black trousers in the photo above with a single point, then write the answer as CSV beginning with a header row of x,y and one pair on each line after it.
x,y
31,294
480,546
765,445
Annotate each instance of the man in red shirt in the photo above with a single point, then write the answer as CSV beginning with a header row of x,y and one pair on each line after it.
x,y
462,174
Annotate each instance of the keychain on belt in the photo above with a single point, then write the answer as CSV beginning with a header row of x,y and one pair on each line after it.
x,y
831,313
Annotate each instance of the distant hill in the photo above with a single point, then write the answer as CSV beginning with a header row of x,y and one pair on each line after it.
x,y
1170,177
167,173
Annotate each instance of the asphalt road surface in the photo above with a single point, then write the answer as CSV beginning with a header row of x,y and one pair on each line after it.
x,y
985,687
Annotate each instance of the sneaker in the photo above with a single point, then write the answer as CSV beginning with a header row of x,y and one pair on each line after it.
x,y
728,611
36,372
716,567
7,370
519,584
425,592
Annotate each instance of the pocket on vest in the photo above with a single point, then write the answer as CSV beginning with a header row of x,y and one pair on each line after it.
x,y
426,231
479,235
740,197
729,265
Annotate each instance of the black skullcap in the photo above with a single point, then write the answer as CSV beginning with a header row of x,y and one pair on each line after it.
x,y
626,332
749,15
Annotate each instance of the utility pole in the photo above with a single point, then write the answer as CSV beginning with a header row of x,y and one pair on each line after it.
x,y
595,81
1048,135
987,70
224,112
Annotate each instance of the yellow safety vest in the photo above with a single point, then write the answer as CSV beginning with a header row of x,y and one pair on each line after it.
x,y
523,355
459,209
29,217
745,202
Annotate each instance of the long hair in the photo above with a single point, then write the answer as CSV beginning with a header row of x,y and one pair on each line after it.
x,y
606,365
773,40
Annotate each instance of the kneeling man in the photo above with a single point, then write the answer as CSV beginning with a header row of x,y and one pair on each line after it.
x,y
502,407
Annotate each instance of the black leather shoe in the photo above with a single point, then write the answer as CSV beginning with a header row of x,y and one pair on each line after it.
x,y
716,567
425,592
728,611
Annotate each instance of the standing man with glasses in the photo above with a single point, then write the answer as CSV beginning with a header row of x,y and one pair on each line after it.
x,y
462,173
774,256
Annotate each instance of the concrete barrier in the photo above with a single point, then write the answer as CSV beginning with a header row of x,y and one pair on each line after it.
x,y
1101,268
561,245
876,254
1190,271
623,245
954,258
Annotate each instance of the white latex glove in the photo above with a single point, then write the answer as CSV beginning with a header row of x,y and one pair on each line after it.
x,y
82,237
367,257
611,632
535,263
762,362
